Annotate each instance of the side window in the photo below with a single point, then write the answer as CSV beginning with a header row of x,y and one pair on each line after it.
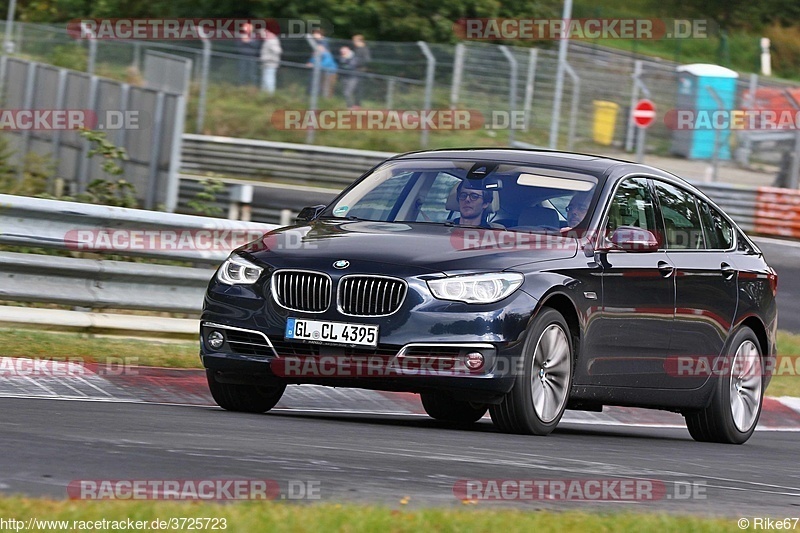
x,y
432,206
682,224
719,233
632,205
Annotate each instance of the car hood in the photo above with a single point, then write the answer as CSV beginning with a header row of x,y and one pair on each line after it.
x,y
424,247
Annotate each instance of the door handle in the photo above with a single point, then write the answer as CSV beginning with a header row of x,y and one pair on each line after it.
x,y
727,271
665,268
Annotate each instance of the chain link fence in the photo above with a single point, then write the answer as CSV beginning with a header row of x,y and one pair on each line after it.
x,y
502,83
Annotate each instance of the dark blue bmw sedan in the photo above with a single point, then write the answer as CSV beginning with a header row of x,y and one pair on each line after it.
x,y
514,281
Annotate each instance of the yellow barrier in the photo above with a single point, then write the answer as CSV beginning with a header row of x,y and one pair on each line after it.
x,y
605,120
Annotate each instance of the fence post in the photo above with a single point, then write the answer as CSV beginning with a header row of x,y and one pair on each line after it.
x,y
794,172
3,68
92,56
573,113
315,76
529,85
19,39
715,156
201,99
562,60
458,73
8,44
429,77
137,55
512,92
637,73
390,94
743,153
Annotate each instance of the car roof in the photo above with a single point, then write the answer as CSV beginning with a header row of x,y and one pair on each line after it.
x,y
600,166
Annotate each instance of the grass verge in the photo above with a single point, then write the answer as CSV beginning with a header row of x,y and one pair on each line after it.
x,y
91,349
277,517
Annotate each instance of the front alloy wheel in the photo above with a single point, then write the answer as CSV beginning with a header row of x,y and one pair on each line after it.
x,y
536,403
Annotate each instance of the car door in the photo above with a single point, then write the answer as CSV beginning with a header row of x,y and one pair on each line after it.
x,y
705,283
628,339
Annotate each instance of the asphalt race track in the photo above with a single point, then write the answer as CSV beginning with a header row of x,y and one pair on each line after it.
x,y
383,458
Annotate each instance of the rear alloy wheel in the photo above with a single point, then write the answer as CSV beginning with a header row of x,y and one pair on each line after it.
x,y
445,409
536,403
244,398
735,407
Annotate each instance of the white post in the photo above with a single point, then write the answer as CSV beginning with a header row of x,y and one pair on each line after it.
x,y
766,61
8,43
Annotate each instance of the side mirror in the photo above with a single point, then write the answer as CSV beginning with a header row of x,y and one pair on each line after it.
x,y
633,239
307,214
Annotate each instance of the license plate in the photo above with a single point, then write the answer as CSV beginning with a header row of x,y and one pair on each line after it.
x,y
338,333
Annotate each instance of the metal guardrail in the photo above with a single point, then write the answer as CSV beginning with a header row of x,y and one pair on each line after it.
x,y
104,284
738,201
338,167
74,226
321,166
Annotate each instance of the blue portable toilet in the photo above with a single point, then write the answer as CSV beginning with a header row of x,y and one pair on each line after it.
x,y
695,85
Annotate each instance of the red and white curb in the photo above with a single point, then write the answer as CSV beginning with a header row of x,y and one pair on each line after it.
x,y
21,378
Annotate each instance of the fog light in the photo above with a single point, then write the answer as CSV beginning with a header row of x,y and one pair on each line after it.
x,y
474,360
216,339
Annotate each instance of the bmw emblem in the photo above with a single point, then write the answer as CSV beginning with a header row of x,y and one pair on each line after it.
x,y
341,264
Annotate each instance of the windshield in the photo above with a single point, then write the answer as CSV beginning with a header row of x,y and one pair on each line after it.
x,y
470,193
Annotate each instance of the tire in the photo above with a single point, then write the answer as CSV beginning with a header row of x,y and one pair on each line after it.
x,y
735,406
244,398
538,399
445,409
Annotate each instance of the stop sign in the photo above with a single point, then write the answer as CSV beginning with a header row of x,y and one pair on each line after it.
x,y
644,114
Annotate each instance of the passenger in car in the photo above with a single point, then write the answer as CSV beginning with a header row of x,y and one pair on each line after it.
x,y
577,209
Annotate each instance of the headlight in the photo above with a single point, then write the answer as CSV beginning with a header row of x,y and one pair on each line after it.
x,y
476,288
237,270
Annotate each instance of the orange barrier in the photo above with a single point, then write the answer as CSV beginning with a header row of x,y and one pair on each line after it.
x,y
778,212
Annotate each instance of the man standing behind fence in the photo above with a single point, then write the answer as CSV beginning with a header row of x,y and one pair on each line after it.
x,y
270,61
361,59
248,47
328,65
347,64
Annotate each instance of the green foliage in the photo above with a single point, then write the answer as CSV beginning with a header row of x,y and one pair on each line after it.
x,y
201,203
110,152
36,172
71,56
118,193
